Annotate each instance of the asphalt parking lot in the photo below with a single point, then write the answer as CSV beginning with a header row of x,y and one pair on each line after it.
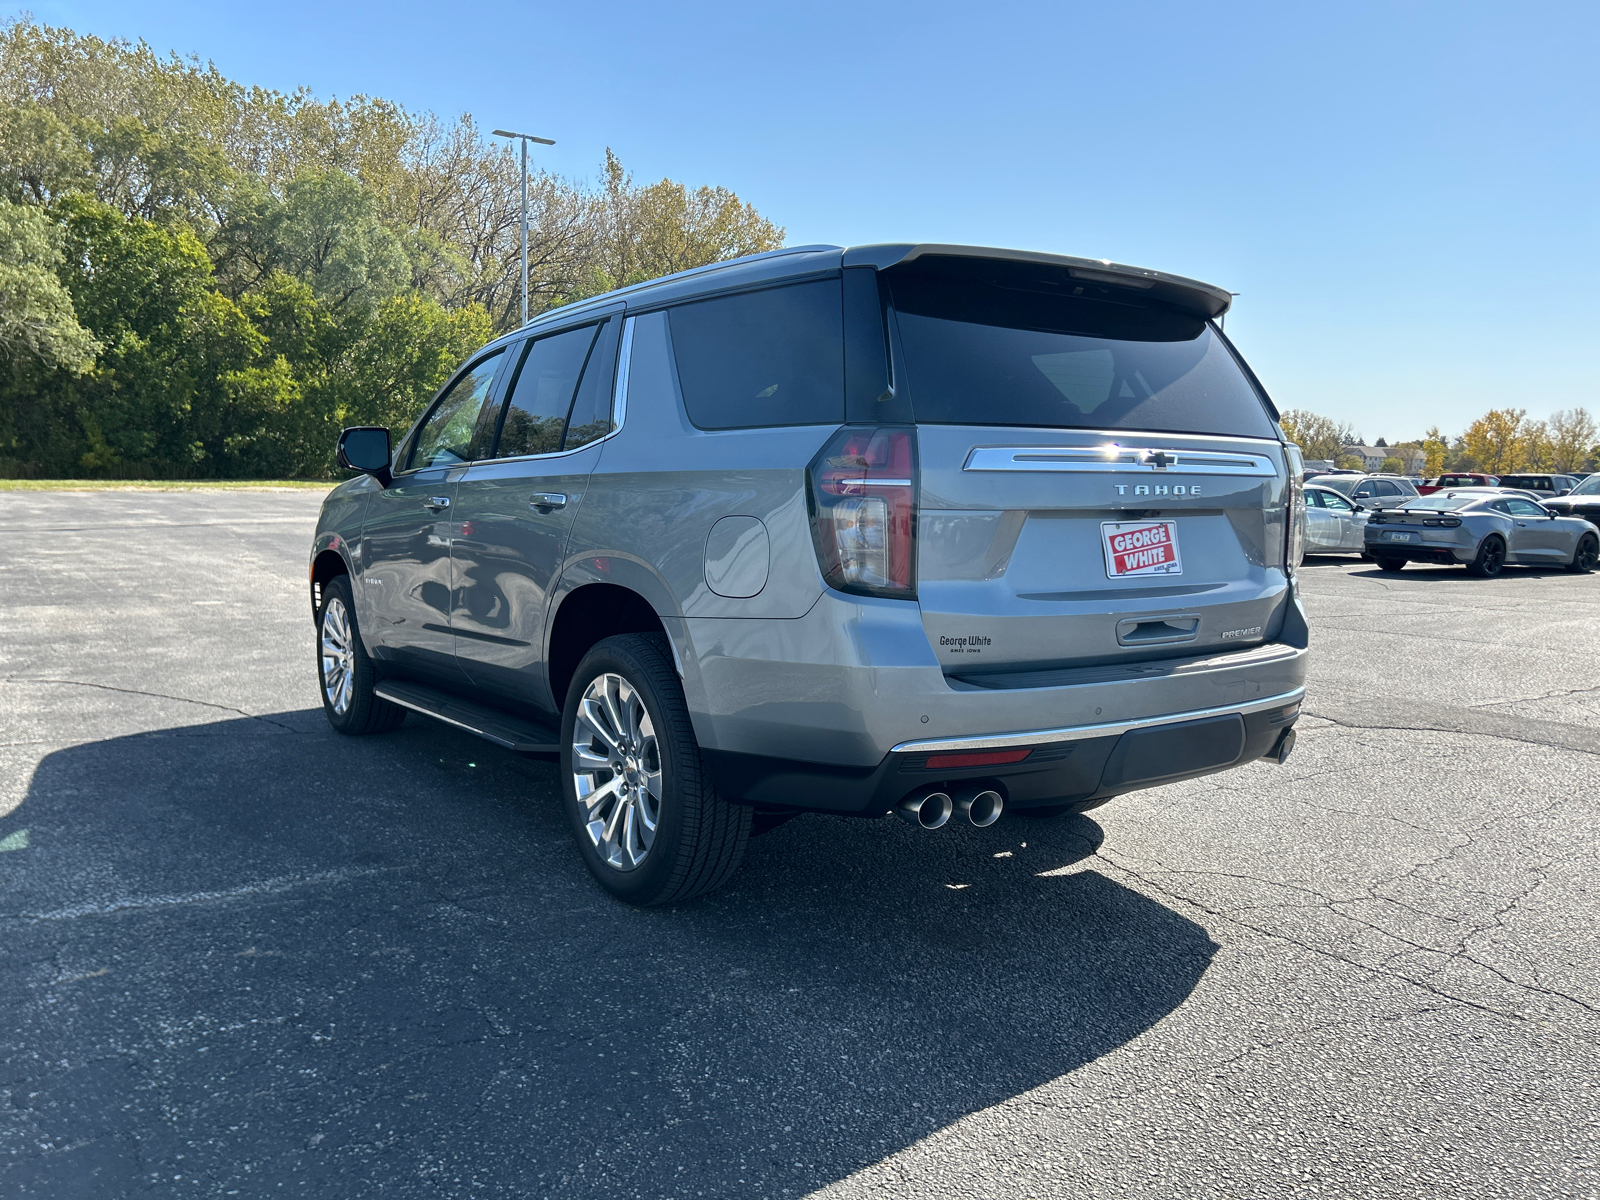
x,y
244,956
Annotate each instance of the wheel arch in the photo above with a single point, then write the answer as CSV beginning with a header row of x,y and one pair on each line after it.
x,y
328,561
590,613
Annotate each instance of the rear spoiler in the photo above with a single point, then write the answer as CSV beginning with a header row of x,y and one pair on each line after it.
x,y
1202,299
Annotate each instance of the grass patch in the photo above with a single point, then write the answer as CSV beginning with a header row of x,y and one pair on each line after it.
x,y
162,485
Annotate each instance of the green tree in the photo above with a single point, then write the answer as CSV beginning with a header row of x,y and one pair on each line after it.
x,y
664,227
1572,434
38,324
1318,437
238,271
1436,450
1494,440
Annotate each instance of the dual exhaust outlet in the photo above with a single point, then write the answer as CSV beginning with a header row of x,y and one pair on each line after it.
x,y
932,807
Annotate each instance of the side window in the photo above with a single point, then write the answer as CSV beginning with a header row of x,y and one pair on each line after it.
x,y
1338,503
540,397
1500,506
591,417
1524,508
759,359
1386,489
1314,499
1364,492
446,436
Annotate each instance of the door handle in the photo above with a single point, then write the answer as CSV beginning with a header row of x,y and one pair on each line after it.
x,y
547,500
437,502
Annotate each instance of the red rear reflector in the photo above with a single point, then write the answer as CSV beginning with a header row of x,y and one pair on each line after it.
x,y
988,758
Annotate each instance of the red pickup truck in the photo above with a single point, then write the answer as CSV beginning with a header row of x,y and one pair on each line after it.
x,y
1458,479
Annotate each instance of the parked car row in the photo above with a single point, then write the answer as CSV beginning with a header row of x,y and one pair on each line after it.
x,y
1483,528
1380,485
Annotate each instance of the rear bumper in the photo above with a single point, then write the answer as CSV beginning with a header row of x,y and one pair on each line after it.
x,y
1448,553
1079,766
835,711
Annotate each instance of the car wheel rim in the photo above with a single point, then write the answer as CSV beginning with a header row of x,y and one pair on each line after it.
x,y
338,654
1588,554
616,771
1492,556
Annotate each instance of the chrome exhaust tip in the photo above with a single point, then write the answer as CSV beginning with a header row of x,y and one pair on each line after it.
x,y
926,809
980,804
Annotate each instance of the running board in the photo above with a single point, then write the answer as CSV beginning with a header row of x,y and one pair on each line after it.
x,y
491,724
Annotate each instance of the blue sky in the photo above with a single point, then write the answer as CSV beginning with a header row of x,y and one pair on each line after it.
x,y
1403,194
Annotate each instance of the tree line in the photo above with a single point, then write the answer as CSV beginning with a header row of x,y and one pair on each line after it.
x,y
1501,441
200,279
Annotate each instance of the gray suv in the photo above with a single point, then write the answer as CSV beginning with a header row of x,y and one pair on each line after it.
x,y
922,529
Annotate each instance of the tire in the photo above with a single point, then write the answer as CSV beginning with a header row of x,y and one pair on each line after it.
x,y
1387,563
1585,557
625,720
1491,559
344,672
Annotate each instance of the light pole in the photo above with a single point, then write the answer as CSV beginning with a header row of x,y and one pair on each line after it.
x,y
525,138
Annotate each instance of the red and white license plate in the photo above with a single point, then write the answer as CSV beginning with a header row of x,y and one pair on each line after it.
x,y
1141,548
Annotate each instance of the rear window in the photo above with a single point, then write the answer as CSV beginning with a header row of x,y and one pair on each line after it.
x,y
1007,349
1339,483
1443,502
756,359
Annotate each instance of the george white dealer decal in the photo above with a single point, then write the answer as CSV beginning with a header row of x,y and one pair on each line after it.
x,y
973,643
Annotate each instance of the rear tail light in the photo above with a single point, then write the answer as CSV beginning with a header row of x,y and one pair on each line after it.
x,y
1447,522
862,491
1294,550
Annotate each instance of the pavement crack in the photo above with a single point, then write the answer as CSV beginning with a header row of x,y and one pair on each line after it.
x,y
1381,969
1347,723
106,687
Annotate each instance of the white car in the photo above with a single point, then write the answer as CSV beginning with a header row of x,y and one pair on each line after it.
x,y
1334,525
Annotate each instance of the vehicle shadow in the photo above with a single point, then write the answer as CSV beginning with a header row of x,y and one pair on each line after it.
x,y
1459,573
253,954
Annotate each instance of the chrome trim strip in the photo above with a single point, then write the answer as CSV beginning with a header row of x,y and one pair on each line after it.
x,y
1115,458
619,388
1077,733
619,406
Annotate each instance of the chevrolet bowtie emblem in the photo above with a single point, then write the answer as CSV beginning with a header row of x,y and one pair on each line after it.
x,y
1159,460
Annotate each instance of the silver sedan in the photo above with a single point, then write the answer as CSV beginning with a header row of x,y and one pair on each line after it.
x,y
1334,525
1483,531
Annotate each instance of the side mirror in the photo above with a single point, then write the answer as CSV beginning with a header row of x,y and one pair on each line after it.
x,y
365,448
1361,508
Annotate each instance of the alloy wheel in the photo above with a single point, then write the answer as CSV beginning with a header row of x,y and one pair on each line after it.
x,y
1494,557
616,771
338,656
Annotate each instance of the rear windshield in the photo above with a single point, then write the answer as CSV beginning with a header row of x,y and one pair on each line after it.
x,y
1339,483
1443,501
1010,350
